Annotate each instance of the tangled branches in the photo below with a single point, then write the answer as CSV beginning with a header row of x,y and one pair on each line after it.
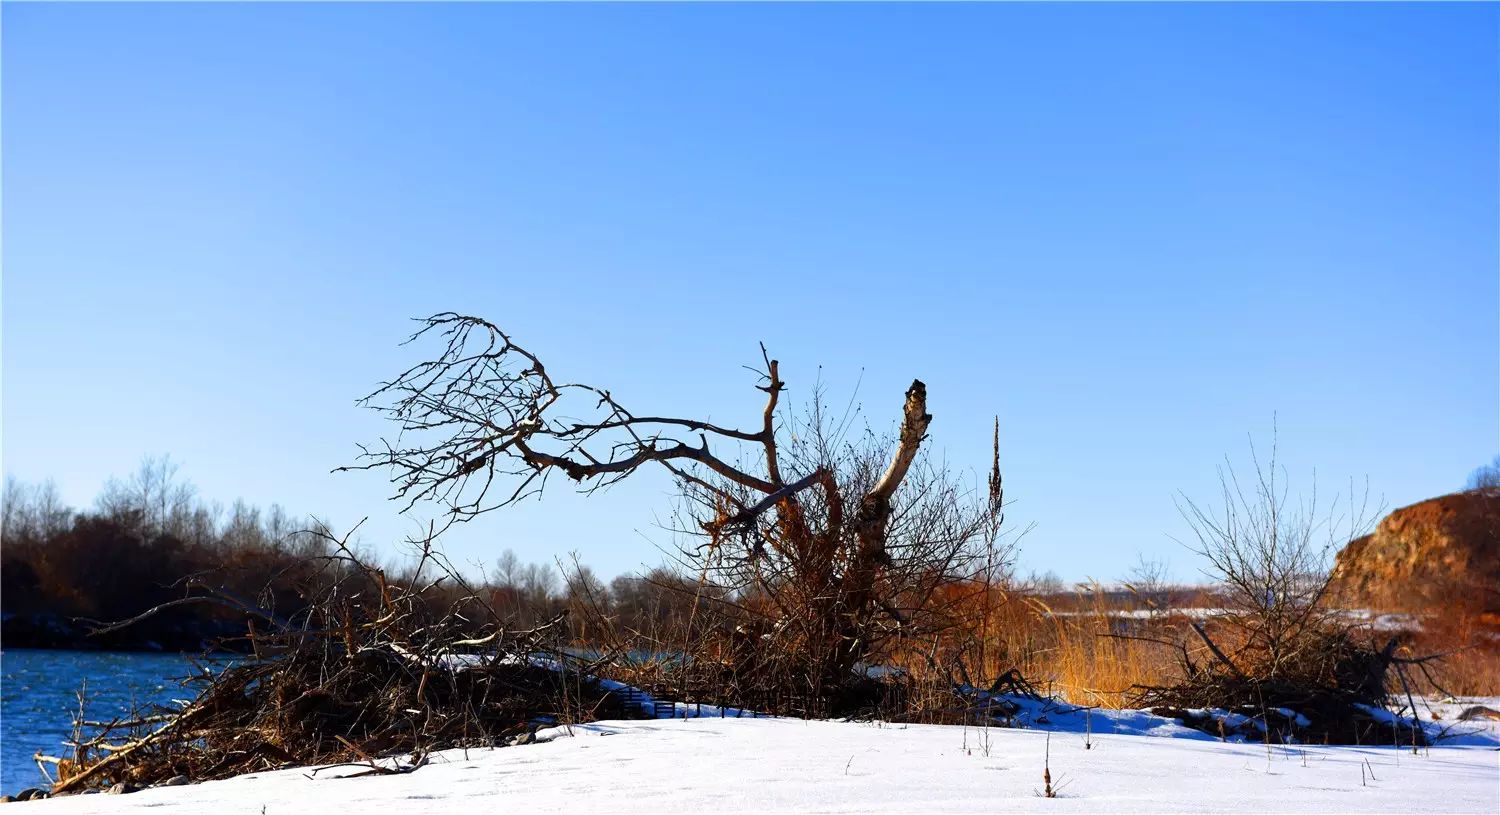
x,y
372,668
1330,694
486,412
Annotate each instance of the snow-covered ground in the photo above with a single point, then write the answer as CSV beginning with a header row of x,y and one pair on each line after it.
x,y
1377,620
1137,763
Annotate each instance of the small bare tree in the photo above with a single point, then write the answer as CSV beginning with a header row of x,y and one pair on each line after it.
x,y
834,545
1284,661
1485,477
32,512
155,496
1147,580
1272,556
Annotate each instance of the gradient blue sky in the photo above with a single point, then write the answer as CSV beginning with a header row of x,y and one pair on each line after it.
x,y
1134,232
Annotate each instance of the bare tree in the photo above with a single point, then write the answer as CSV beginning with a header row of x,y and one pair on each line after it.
x,y
1486,477
1147,580
507,568
32,512
1046,584
154,495
1273,557
538,586
836,545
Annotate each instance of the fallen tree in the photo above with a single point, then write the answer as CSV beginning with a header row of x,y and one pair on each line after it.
x,y
816,552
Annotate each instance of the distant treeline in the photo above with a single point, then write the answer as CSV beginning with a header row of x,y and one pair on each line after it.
x,y
64,571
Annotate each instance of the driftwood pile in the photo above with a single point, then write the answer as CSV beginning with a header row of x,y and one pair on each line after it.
x,y
371,671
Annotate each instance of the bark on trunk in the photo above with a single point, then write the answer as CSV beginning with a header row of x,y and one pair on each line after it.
x,y
870,535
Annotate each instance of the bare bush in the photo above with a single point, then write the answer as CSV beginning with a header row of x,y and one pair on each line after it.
x,y
1272,556
1280,658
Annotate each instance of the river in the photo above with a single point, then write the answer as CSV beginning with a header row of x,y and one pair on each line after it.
x,y
39,699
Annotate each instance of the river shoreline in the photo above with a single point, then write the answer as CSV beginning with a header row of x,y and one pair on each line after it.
x,y
55,632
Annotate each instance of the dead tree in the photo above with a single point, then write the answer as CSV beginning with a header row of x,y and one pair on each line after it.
x,y
836,546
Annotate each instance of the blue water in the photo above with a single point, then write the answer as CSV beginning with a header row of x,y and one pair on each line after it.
x,y
39,699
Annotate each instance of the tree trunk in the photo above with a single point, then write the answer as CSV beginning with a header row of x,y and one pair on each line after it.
x,y
859,589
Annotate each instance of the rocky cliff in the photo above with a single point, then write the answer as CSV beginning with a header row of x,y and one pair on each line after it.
x,y
1440,553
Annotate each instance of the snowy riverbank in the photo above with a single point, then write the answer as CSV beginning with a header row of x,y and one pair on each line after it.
x,y
781,765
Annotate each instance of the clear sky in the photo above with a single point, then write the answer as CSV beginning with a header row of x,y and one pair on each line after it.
x,y
1134,232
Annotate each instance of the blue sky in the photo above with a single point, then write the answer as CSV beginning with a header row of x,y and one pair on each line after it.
x,y
1134,232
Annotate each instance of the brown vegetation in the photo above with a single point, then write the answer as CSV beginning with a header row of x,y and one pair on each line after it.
x,y
144,544
65,572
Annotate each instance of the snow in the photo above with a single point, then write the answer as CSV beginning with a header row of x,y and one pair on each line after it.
x,y
1376,620
653,708
1136,763
1448,710
639,701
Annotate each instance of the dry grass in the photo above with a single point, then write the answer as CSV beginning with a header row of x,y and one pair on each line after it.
x,y
1065,646
1079,646
1471,645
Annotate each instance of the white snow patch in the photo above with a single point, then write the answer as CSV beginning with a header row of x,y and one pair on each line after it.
x,y
785,765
